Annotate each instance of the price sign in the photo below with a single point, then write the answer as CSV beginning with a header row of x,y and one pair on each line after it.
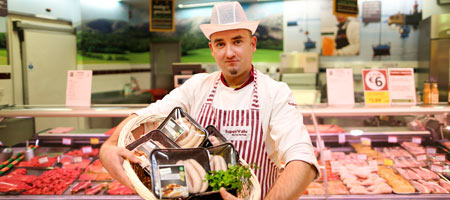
x,y
77,159
361,156
436,168
431,150
388,162
341,137
421,157
366,141
440,157
94,140
86,149
392,139
326,155
43,160
375,86
67,141
417,140
335,166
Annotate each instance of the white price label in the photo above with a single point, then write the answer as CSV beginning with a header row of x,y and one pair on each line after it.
x,y
67,141
421,157
86,149
440,157
431,150
373,164
43,160
417,140
361,156
392,139
341,137
436,168
77,159
326,155
335,166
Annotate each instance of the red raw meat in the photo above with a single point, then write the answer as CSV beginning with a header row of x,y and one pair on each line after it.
x,y
87,177
445,184
54,181
104,177
422,189
21,171
34,162
19,177
80,186
96,189
121,190
13,186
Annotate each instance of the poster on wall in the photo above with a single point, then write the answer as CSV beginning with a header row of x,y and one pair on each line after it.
x,y
3,8
340,33
345,7
162,15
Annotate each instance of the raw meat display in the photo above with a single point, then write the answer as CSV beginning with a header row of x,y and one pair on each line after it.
x,y
7,186
95,171
80,186
19,177
79,152
116,188
397,182
96,189
445,184
425,174
39,161
414,148
54,181
21,171
433,187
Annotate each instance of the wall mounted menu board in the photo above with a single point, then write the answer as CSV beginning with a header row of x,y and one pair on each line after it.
x,y
345,7
162,15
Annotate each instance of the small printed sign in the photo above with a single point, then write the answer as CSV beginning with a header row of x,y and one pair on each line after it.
x,y
341,137
373,164
67,141
366,141
436,168
421,157
431,150
440,157
362,156
94,140
327,155
375,83
393,139
86,149
77,159
388,162
43,160
417,140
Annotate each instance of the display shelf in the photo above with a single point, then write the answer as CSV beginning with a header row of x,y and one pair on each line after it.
x,y
324,110
96,197
377,196
77,136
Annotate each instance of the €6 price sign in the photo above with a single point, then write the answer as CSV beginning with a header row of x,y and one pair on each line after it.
x,y
375,86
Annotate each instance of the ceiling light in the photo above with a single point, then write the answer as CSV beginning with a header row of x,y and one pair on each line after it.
x,y
196,5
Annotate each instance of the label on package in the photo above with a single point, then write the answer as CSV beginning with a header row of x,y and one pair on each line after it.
x,y
431,150
440,157
237,133
77,159
335,166
43,160
421,157
366,141
388,162
94,140
172,130
326,155
67,141
392,139
362,156
86,149
436,168
341,137
417,140
172,181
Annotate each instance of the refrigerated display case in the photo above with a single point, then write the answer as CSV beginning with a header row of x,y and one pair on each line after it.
x,y
344,132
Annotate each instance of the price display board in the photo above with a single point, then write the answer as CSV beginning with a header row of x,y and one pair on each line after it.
x,y
162,15
375,86
345,7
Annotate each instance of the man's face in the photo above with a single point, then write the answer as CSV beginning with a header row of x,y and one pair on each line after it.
x,y
233,51
341,18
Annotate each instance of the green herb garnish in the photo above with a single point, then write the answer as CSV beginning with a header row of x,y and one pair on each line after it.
x,y
233,178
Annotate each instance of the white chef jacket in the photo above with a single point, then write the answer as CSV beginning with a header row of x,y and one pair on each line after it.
x,y
285,135
352,32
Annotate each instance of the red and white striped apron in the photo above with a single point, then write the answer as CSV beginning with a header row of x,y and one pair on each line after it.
x,y
252,147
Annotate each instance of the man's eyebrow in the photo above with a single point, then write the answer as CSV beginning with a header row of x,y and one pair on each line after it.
x,y
237,37
218,40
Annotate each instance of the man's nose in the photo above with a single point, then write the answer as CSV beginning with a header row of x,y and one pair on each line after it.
x,y
229,51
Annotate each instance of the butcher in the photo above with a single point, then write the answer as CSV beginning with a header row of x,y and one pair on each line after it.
x,y
257,114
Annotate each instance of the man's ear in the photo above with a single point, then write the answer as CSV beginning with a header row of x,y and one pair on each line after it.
x,y
253,42
211,48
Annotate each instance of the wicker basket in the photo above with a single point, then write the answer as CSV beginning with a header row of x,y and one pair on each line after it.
x,y
126,137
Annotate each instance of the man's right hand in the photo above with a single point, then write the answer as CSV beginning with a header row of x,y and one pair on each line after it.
x,y
112,158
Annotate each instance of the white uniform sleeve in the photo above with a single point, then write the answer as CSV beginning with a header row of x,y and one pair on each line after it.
x,y
353,39
179,97
290,139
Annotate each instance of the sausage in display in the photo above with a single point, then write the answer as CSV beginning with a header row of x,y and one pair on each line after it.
x,y
201,171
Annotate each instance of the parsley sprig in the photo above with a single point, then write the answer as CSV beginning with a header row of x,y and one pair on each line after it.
x,y
233,178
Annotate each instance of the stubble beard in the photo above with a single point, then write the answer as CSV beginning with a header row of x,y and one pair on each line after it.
x,y
233,71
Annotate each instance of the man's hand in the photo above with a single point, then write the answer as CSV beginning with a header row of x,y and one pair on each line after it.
x,y
226,195
112,158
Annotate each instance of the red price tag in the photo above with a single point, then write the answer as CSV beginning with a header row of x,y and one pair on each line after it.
x,y
94,140
86,149
440,157
361,156
77,159
67,141
392,139
341,137
43,160
421,157
436,168
417,140
431,150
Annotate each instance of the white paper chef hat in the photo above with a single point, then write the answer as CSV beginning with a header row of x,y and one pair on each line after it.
x,y
228,16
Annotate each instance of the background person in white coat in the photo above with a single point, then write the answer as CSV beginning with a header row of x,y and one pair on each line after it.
x,y
347,36
238,98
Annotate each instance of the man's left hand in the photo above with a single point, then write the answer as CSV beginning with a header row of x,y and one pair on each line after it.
x,y
226,195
